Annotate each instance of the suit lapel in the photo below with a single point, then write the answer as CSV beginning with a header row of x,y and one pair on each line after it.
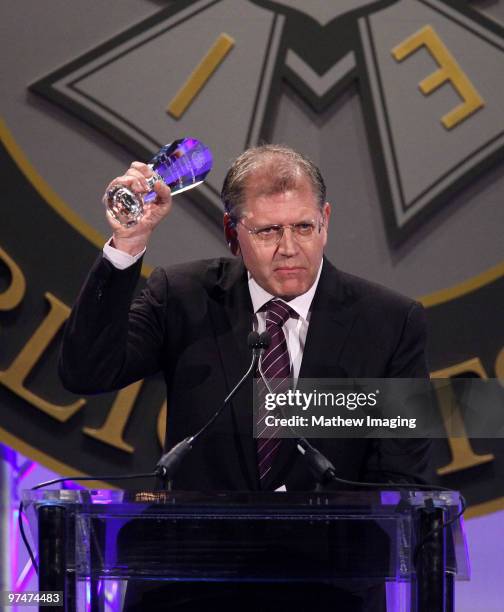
x,y
330,324
232,316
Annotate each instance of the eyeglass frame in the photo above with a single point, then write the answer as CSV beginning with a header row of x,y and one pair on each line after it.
x,y
254,231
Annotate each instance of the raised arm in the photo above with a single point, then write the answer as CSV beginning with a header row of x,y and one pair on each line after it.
x,y
108,342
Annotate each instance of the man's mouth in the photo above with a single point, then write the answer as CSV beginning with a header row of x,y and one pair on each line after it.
x,y
288,270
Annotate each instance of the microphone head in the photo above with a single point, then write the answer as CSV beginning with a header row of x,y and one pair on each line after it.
x,y
264,340
253,340
256,341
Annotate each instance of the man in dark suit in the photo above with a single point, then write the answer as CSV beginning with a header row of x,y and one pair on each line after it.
x,y
192,321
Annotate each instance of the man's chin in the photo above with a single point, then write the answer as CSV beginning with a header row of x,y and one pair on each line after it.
x,y
291,289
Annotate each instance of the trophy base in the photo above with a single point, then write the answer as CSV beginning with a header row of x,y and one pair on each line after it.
x,y
124,206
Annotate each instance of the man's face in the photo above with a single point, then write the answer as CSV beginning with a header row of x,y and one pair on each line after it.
x,y
289,268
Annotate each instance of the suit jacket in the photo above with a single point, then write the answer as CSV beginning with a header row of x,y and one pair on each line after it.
x,y
191,322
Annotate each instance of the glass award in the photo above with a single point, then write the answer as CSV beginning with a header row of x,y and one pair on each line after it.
x,y
182,165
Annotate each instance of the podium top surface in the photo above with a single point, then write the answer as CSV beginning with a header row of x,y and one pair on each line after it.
x,y
383,499
261,535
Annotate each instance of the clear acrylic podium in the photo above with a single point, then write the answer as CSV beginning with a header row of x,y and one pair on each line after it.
x,y
90,543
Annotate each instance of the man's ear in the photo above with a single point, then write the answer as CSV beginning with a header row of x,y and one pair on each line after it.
x,y
231,234
327,213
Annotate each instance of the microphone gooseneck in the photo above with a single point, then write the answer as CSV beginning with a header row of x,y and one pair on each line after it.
x,y
170,462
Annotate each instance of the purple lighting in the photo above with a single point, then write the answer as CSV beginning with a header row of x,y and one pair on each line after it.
x,y
181,164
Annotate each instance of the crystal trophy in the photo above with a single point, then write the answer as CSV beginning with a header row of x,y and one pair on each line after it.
x,y
182,165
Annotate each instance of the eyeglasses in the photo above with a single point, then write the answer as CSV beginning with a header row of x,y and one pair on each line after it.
x,y
272,234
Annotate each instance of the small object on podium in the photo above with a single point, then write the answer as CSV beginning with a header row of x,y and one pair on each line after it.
x,y
182,165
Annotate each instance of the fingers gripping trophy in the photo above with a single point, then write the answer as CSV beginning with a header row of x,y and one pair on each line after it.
x,y
142,196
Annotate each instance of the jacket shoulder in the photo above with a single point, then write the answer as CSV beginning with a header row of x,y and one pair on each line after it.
x,y
391,326
192,284
356,291
205,274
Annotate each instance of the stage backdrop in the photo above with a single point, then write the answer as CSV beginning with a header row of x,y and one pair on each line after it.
x,y
399,102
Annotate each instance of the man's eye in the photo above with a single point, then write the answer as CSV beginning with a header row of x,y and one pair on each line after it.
x,y
268,231
304,228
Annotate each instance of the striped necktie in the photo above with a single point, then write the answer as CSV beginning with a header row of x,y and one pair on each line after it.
x,y
276,368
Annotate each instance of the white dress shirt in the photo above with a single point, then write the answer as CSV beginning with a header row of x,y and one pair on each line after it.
x,y
120,259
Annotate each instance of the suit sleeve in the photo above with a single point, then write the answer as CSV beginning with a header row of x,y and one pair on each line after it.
x,y
405,460
110,342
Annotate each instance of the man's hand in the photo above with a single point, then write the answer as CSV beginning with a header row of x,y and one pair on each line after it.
x,y
134,239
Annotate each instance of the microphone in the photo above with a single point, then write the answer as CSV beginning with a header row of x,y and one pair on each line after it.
x,y
320,466
170,462
263,341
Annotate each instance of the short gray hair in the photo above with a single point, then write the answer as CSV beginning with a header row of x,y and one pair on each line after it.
x,y
281,168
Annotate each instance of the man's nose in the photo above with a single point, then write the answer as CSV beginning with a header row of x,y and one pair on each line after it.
x,y
288,244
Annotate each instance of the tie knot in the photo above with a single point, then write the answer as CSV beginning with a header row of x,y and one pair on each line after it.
x,y
278,312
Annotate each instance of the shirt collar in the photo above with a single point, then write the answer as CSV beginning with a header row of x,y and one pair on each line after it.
x,y
300,304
